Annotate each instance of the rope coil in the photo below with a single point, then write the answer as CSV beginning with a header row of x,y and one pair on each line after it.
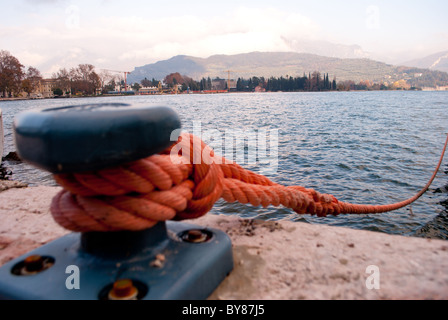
x,y
136,196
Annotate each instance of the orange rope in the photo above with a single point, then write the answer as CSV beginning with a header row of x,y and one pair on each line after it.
x,y
135,196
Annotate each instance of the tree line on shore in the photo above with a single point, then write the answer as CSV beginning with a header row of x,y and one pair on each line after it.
x,y
15,79
313,82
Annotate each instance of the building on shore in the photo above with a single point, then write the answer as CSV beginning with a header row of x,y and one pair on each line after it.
x,y
148,91
46,87
259,89
42,89
438,88
223,84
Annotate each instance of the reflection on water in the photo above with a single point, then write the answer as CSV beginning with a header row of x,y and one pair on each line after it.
x,y
362,147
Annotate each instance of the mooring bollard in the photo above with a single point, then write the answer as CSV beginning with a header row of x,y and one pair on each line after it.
x,y
170,261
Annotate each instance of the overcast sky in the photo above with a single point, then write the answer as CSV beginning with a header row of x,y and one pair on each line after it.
x,y
120,35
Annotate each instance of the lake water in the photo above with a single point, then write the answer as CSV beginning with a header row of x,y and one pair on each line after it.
x,y
362,147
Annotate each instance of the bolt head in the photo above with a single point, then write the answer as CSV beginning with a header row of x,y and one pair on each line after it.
x,y
34,263
196,236
123,289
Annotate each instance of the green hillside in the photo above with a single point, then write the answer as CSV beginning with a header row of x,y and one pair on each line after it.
x,y
276,64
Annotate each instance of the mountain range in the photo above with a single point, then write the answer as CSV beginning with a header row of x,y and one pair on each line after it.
x,y
326,48
437,61
276,64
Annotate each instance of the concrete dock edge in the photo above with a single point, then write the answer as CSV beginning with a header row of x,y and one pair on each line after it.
x,y
273,260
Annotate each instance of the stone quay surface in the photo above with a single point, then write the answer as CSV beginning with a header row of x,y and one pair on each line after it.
x,y
280,260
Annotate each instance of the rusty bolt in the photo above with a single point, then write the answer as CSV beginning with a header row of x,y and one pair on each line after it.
x,y
34,263
123,289
196,236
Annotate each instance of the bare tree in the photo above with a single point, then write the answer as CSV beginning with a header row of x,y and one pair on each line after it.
x,y
84,79
146,83
31,81
105,78
11,74
63,80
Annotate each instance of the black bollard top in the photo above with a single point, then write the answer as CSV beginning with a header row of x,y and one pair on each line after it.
x,y
93,136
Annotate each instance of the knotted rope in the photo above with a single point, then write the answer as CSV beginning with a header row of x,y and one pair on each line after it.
x,y
137,195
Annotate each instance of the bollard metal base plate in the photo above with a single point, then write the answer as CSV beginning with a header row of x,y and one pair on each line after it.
x,y
160,263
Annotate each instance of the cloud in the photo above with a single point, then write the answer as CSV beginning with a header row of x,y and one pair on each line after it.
x,y
44,2
72,35
246,30
111,34
275,21
31,58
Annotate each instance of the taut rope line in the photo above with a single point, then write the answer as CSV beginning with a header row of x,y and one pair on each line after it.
x,y
137,195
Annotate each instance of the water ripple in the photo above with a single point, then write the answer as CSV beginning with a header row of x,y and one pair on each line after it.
x,y
363,147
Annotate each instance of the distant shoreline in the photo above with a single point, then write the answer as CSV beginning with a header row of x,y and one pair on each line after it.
x,y
170,94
